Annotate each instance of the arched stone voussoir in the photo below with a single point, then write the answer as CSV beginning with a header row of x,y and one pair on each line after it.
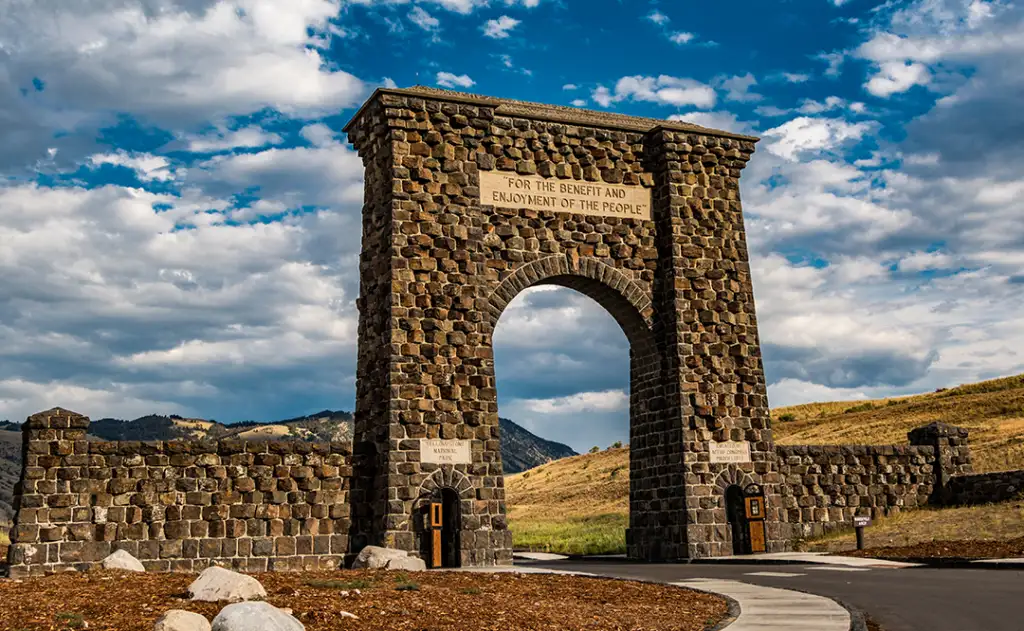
x,y
607,285
732,476
447,477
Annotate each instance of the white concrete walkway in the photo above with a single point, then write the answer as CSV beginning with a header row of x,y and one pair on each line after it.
x,y
539,556
772,609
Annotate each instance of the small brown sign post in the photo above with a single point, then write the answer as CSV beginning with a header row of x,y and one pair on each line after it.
x,y
755,518
436,521
859,523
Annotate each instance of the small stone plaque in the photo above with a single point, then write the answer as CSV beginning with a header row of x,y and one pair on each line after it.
x,y
533,192
729,452
445,451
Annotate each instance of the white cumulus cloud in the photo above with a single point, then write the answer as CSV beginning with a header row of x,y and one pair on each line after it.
x,y
451,80
500,28
806,134
664,90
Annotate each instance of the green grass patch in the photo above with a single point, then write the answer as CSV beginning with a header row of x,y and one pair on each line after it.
x,y
407,587
71,620
335,584
863,407
471,591
600,534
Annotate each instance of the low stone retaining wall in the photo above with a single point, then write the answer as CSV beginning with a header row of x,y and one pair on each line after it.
x,y
177,505
983,488
824,486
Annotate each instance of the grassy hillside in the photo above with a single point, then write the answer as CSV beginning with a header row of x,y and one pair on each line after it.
x,y
572,505
576,504
10,458
993,411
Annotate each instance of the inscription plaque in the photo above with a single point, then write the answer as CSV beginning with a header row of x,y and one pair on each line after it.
x,y
533,192
437,451
730,451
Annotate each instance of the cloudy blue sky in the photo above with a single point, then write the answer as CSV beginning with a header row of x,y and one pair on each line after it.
x,y
179,211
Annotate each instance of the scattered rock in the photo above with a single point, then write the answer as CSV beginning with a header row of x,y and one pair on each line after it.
x,y
178,620
217,584
409,564
345,614
375,557
123,560
255,616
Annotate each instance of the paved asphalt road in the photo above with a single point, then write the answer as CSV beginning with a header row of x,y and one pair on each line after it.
x,y
911,599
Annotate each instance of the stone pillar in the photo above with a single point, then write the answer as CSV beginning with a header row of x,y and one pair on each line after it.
x,y
426,370
44,502
952,455
713,373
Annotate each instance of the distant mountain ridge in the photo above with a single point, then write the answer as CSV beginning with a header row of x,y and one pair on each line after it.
x,y
520,449
323,426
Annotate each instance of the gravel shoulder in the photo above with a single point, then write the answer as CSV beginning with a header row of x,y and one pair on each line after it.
x,y
954,549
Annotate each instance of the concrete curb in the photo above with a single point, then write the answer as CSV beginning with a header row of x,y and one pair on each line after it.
x,y
731,617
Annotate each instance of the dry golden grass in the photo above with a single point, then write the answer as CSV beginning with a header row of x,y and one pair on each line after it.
x,y
577,505
263,432
4,541
993,411
992,522
580,486
582,490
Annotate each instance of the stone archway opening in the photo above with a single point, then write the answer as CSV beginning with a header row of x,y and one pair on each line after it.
x,y
621,298
562,373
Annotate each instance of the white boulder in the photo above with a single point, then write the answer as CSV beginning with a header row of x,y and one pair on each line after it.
x,y
375,558
408,563
216,584
122,560
178,620
255,616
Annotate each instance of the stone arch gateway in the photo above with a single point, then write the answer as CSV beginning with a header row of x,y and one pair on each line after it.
x,y
468,201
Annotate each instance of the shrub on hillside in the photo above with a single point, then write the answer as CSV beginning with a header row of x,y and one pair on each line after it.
x,y
788,417
863,407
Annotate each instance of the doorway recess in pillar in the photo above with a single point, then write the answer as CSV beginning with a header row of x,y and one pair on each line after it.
x,y
739,528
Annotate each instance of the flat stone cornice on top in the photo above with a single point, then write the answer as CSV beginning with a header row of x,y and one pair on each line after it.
x,y
553,113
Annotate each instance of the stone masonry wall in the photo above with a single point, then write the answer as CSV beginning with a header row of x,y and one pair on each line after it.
x,y
983,488
825,486
177,505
